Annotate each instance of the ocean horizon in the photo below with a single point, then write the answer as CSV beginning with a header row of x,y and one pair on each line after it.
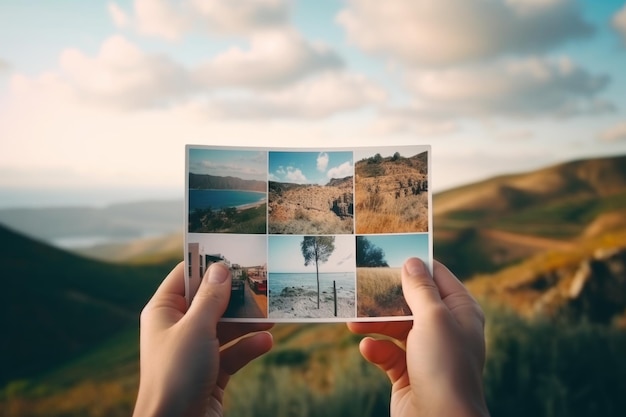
x,y
345,281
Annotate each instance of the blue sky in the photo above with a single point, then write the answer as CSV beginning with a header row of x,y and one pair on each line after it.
x,y
99,98
284,255
309,167
398,248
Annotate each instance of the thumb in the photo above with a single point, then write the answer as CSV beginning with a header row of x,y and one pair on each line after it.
x,y
211,300
418,286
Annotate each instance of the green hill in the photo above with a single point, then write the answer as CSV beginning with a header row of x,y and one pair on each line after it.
x,y
58,305
484,226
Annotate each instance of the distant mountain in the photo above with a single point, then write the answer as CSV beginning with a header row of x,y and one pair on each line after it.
x,y
120,220
485,226
58,305
208,182
583,179
138,251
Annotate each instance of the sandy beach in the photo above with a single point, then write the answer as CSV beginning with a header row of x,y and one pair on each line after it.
x,y
251,205
296,302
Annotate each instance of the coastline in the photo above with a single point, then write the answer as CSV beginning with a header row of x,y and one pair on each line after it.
x,y
251,205
295,302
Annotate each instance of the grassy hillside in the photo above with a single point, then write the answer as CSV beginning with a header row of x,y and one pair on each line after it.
x,y
60,305
546,227
482,227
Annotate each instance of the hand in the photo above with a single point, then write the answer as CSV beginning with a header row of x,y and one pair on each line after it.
x,y
436,361
184,363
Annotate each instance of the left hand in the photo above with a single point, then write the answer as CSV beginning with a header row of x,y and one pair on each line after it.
x,y
185,366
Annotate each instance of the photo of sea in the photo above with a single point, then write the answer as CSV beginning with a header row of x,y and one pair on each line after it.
x,y
219,199
345,282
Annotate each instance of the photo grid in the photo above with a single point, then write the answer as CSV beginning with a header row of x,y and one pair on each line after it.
x,y
308,234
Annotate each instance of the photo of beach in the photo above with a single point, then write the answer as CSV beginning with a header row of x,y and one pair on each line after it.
x,y
227,191
311,277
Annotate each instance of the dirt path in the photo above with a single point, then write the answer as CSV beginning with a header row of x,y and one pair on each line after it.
x,y
534,242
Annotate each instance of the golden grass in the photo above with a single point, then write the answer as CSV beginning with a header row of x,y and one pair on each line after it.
x,y
383,213
379,293
88,399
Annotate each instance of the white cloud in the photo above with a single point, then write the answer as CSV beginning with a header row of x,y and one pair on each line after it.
x,y
162,18
444,32
344,170
241,16
322,161
313,98
619,23
171,19
276,57
121,74
613,134
119,17
532,87
412,120
295,175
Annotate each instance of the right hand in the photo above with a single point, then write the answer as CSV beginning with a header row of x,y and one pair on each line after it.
x,y
435,362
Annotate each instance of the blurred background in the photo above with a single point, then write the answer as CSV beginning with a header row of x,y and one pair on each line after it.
x,y
523,102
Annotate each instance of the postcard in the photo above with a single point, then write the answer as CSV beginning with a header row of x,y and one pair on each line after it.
x,y
309,235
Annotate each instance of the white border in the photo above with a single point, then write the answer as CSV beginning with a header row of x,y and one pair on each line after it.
x,y
430,263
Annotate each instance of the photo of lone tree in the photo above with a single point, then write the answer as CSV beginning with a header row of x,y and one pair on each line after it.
x,y
317,249
369,255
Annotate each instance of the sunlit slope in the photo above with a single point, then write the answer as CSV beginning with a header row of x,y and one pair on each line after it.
x,y
140,251
484,226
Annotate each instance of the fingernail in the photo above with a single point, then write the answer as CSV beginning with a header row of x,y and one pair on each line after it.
x,y
217,274
415,267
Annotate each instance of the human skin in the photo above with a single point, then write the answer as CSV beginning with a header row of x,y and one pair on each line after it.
x,y
187,356
435,361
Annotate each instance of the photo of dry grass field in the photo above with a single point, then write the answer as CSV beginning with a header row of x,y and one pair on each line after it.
x,y
392,193
379,259
380,293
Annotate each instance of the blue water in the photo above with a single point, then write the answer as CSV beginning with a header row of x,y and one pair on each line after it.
x,y
345,282
217,199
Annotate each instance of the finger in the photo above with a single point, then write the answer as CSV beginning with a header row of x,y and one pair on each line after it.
x,y
211,300
245,350
418,285
458,299
169,295
174,283
395,329
228,331
446,281
388,356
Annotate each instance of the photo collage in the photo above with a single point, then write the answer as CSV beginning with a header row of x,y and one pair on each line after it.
x,y
308,234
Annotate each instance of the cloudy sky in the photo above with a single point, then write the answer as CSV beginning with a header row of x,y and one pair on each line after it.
x,y
309,167
99,98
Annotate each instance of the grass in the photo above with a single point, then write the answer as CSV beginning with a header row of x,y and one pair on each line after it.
x,y
379,293
382,213
303,224
229,220
537,368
